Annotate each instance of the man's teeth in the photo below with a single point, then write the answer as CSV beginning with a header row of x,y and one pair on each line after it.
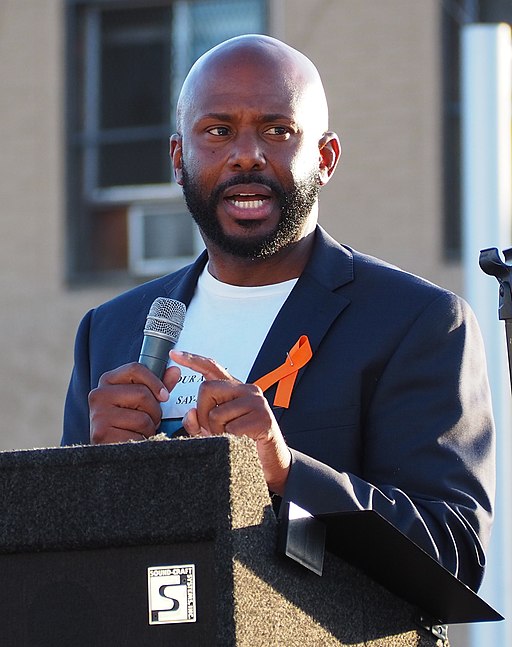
x,y
247,204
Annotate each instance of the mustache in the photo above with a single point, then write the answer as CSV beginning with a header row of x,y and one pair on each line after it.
x,y
247,178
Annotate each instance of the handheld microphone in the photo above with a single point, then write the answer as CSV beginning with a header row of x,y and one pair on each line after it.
x,y
164,324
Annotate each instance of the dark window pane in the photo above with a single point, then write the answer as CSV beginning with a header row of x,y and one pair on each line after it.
x,y
145,162
496,11
135,68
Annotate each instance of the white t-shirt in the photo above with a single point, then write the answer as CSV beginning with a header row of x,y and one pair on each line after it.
x,y
228,323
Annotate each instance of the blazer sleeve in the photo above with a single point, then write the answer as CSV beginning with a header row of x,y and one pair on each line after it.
x,y
428,444
76,408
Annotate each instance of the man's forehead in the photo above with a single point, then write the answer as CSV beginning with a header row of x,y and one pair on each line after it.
x,y
267,74
257,79
257,96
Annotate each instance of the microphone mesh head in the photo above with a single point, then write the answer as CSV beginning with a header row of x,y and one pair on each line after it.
x,y
165,319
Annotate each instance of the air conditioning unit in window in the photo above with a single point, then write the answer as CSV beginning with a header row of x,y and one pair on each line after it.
x,y
162,237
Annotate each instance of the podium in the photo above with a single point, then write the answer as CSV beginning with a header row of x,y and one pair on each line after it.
x,y
173,543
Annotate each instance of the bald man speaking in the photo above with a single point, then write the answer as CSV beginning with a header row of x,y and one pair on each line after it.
x,y
364,387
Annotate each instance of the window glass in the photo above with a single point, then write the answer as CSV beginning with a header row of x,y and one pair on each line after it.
x,y
134,94
134,162
135,77
213,22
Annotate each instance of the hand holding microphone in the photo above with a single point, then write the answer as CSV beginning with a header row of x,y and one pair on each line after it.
x,y
126,403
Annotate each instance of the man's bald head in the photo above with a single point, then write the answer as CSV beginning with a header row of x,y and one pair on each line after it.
x,y
252,148
265,57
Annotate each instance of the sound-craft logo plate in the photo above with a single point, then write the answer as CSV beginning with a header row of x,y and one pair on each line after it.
x,y
172,594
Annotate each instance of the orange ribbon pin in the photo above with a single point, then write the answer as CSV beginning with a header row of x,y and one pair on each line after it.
x,y
286,374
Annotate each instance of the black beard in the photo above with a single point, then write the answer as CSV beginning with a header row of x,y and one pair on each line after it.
x,y
295,206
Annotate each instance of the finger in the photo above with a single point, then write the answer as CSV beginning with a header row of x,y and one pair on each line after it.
x,y
241,418
191,424
117,399
135,373
220,402
209,368
171,377
112,425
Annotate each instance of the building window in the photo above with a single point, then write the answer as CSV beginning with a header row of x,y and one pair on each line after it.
x,y
456,14
126,62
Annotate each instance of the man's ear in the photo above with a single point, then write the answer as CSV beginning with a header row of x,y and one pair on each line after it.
x,y
330,152
175,153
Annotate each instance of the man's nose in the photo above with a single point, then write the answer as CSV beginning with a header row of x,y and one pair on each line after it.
x,y
247,153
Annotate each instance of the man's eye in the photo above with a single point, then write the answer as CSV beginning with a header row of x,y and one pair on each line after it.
x,y
219,131
278,130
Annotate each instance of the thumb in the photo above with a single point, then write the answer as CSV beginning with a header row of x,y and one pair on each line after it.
x,y
191,424
171,377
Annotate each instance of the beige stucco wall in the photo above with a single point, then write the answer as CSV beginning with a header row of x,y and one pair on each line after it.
x,y
38,316
380,61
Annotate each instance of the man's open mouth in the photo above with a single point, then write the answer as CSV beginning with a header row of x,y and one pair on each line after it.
x,y
249,198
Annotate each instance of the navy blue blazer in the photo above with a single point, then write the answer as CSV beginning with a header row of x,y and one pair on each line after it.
x,y
392,413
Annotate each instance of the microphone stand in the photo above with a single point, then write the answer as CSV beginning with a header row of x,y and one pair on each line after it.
x,y
491,263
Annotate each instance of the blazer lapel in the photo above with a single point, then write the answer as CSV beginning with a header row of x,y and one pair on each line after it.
x,y
312,307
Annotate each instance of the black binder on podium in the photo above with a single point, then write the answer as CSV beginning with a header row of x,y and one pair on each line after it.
x,y
368,541
405,569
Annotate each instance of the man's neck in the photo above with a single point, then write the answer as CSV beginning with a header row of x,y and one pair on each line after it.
x,y
286,264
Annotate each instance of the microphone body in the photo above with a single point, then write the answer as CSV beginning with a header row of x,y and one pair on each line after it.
x,y
164,324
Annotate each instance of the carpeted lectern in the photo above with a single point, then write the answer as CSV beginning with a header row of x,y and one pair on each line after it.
x,y
171,544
